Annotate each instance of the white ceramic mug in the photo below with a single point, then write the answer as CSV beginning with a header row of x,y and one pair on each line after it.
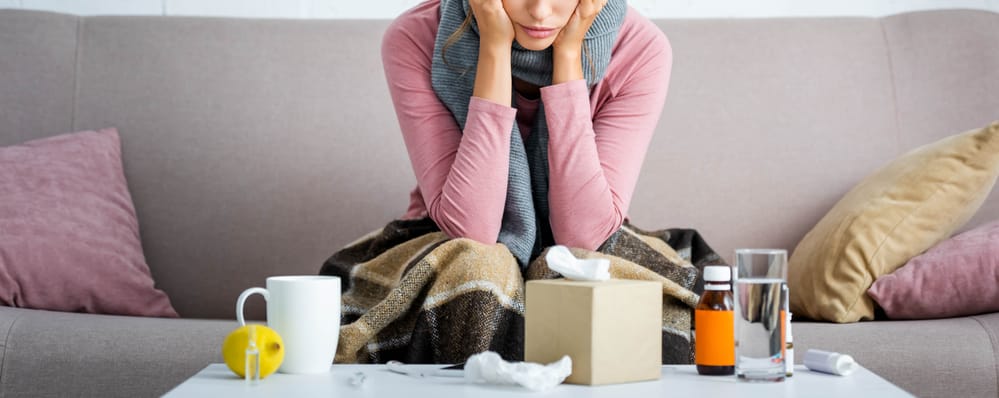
x,y
305,311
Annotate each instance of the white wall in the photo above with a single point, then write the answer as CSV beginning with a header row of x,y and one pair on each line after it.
x,y
390,8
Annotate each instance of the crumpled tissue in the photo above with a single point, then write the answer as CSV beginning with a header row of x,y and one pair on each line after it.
x,y
561,260
489,367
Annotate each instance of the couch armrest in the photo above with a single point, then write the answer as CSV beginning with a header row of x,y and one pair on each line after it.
x,y
68,354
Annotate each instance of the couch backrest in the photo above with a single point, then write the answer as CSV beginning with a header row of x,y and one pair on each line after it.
x,y
259,147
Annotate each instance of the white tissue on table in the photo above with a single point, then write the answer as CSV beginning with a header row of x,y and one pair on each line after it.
x,y
561,260
488,367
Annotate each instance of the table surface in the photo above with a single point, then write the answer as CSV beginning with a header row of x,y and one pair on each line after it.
x,y
677,381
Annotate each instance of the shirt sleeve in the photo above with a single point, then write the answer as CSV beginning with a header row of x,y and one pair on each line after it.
x,y
461,175
594,160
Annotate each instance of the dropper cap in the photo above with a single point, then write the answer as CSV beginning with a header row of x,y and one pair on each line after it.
x,y
717,273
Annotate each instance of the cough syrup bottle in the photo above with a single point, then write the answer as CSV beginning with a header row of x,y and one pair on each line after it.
x,y
714,324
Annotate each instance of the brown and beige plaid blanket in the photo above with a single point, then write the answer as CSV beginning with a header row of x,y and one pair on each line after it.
x,y
414,295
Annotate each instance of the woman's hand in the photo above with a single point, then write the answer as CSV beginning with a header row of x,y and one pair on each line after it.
x,y
570,40
495,27
493,78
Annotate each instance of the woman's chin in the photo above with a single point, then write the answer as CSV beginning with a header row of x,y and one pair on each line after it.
x,y
533,44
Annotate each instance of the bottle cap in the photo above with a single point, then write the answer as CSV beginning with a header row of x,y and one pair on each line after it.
x,y
829,362
717,273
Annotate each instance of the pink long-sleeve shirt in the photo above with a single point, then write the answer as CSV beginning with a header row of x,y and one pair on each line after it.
x,y
597,139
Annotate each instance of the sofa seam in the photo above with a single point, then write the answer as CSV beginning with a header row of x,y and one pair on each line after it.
x,y
868,280
76,73
894,85
995,347
3,361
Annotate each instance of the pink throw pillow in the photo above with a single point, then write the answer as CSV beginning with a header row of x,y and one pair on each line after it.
x,y
959,276
69,238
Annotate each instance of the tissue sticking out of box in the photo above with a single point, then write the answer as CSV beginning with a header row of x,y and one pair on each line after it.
x,y
561,260
489,367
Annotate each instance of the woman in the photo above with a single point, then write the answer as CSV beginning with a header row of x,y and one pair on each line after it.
x,y
526,123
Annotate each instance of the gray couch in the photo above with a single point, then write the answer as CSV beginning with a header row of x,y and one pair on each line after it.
x,y
258,147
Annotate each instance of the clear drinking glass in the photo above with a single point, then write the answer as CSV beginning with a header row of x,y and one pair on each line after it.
x,y
759,329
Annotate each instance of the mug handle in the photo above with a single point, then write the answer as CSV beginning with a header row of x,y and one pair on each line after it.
x,y
242,299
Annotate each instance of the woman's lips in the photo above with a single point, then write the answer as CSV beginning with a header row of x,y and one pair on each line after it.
x,y
538,32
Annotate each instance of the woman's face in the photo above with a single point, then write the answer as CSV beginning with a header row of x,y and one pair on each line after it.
x,y
536,23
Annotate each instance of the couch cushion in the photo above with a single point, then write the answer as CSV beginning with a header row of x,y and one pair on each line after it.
x,y
58,354
252,147
960,276
990,322
751,146
892,215
69,240
953,357
37,66
946,78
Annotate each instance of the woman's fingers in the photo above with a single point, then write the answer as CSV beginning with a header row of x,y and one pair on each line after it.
x,y
571,36
588,9
494,24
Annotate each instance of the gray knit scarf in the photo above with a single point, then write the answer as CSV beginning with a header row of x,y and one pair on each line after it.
x,y
526,229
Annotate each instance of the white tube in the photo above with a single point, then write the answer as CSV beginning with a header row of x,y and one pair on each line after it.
x,y
789,348
830,362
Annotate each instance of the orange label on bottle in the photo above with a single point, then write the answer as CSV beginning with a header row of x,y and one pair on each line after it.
x,y
783,334
715,341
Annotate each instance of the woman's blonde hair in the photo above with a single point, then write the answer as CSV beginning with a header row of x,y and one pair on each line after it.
x,y
455,36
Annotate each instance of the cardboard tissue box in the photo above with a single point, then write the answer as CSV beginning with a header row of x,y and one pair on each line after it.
x,y
611,329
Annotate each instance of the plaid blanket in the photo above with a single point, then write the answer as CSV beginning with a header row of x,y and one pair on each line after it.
x,y
414,295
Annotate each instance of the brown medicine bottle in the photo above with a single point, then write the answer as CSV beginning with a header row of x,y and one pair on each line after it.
x,y
714,324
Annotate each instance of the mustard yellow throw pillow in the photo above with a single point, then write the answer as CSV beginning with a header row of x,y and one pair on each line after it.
x,y
898,212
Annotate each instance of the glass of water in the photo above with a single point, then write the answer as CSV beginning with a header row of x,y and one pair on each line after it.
x,y
759,327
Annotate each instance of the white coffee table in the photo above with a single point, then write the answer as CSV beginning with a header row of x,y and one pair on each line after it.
x,y
677,381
